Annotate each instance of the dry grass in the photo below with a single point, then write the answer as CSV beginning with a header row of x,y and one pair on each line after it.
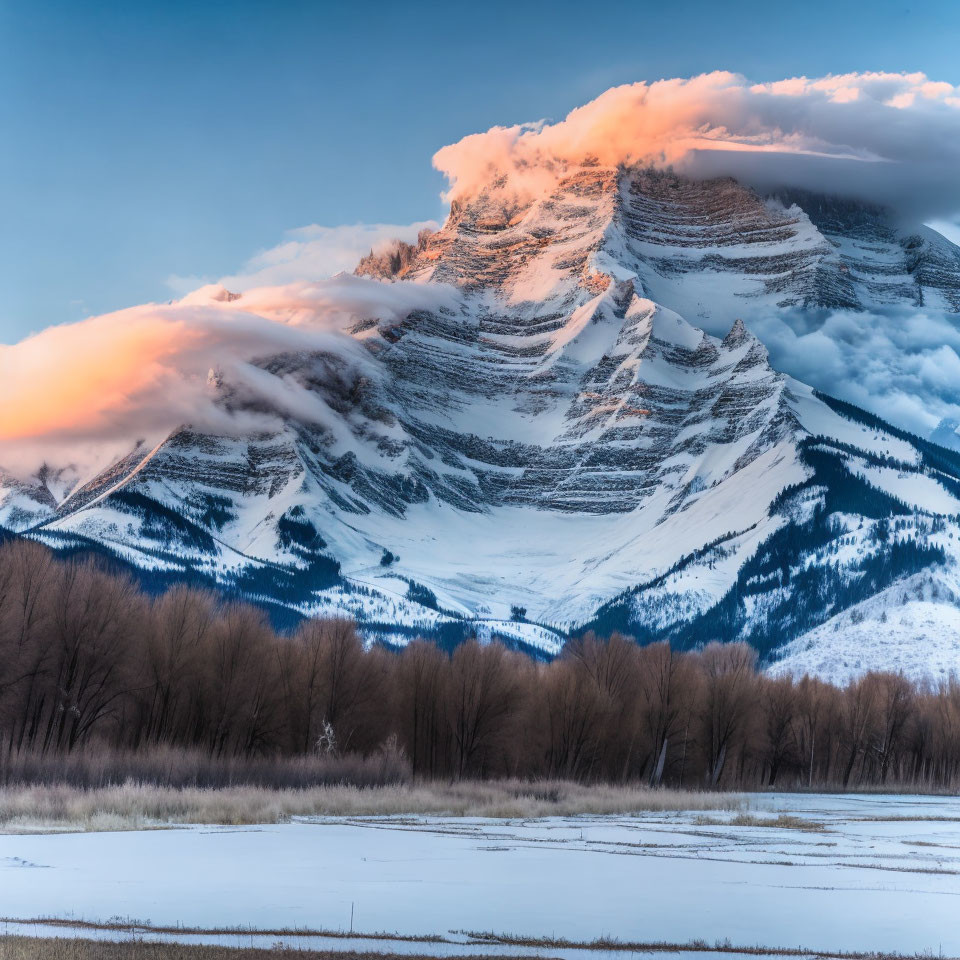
x,y
134,929
720,947
57,948
30,809
784,821
179,767
29,948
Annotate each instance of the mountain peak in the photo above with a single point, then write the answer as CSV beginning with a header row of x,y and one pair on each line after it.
x,y
738,334
570,412
947,433
211,293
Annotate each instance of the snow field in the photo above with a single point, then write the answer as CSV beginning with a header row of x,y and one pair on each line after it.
x,y
867,873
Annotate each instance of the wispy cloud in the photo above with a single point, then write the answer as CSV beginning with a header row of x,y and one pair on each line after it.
x,y
315,252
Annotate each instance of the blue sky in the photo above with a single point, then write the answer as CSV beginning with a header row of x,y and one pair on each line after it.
x,y
144,140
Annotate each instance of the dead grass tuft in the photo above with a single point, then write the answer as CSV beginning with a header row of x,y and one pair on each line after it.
x,y
133,806
784,821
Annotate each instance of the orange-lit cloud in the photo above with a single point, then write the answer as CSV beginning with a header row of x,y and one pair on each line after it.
x,y
904,127
139,373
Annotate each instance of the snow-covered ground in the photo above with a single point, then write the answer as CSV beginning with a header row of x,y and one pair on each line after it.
x,y
873,874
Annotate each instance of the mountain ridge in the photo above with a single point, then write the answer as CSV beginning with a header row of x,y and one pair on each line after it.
x,y
558,437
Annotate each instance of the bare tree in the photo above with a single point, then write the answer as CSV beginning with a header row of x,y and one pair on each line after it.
x,y
664,675
181,623
88,661
729,672
778,703
482,695
421,677
573,710
895,706
857,717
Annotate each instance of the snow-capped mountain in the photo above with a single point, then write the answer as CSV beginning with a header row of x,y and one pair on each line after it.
x,y
583,435
947,433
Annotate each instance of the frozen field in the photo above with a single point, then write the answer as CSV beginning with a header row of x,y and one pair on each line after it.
x,y
868,874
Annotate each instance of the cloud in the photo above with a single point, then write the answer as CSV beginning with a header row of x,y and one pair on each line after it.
x,y
138,373
902,364
315,253
886,137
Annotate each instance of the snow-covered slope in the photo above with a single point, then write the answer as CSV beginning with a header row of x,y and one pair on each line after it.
x,y
912,626
559,437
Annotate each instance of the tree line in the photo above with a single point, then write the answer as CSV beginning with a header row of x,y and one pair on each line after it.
x,y
88,661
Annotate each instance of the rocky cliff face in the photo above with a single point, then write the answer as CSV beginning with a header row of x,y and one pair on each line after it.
x,y
564,437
